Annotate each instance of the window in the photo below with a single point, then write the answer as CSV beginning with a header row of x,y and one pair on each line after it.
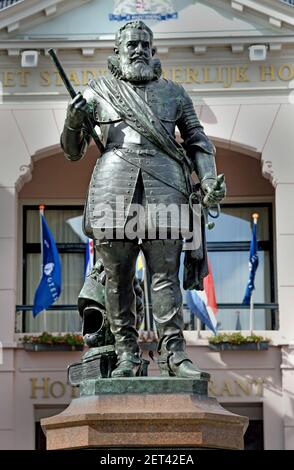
x,y
228,247
71,246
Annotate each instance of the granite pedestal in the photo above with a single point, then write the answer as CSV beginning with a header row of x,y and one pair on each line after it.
x,y
144,412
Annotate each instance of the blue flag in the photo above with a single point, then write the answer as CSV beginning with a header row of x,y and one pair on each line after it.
x,y
198,308
49,287
253,263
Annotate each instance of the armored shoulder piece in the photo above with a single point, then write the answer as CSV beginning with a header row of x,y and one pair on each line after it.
x,y
188,117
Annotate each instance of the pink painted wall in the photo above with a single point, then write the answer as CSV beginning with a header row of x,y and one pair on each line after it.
x,y
243,174
55,177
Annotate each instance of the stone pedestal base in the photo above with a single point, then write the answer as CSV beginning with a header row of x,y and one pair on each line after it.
x,y
145,412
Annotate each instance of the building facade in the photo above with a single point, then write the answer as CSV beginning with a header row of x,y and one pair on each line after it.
x,y
236,61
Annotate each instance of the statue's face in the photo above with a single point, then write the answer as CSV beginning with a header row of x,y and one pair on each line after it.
x,y
135,46
135,54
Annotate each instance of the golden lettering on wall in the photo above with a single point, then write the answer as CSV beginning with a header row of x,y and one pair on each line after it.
x,y
41,385
237,387
284,72
8,79
44,387
225,76
267,72
45,78
23,76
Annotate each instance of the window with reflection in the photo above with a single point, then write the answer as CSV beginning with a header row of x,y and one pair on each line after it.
x,y
228,247
65,224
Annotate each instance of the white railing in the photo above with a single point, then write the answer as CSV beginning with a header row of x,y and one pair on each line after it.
x,y
7,3
289,2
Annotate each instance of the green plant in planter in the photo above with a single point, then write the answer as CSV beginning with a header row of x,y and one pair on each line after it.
x,y
237,338
48,338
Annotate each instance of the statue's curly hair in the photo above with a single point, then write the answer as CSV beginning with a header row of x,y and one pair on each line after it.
x,y
138,24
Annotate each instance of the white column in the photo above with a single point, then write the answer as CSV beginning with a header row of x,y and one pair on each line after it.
x,y
8,247
288,388
25,131
278,165
285,256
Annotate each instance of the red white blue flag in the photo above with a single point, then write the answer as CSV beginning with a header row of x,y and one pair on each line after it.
x,y
203,303
89,258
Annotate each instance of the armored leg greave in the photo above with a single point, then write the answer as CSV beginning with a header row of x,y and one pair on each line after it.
x,y
119,259
163,261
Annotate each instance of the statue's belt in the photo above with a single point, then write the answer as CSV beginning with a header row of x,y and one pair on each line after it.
x,y
122,154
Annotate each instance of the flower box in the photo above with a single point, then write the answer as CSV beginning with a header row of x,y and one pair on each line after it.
x,y
238,342
50,342
41,347
261,346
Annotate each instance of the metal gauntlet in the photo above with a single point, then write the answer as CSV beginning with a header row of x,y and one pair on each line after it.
x,y
204,164
73,142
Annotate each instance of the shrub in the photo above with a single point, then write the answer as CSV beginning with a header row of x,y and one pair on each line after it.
x,y
236,338
48,338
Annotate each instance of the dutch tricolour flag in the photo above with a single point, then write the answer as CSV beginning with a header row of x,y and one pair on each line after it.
x,y
203,303
89,258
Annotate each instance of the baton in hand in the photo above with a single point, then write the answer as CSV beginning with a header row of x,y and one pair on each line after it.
x,y
73,94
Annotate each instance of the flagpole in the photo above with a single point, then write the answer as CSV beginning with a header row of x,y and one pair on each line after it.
x,y
255,218
251,314
198,322
146,294
41,213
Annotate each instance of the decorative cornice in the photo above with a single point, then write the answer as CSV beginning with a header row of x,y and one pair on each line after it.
x,y
268,172
237,48
19,16
32,12
277,13
199,45
237,6
25,175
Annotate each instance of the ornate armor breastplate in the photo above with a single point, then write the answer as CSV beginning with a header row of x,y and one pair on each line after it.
x,y
164,102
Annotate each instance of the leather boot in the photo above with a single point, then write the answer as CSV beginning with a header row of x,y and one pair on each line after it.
x,y
127,365
174,362
177,364
181,366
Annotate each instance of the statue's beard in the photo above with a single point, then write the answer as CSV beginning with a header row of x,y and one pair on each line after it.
x,y
137,72
134,72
